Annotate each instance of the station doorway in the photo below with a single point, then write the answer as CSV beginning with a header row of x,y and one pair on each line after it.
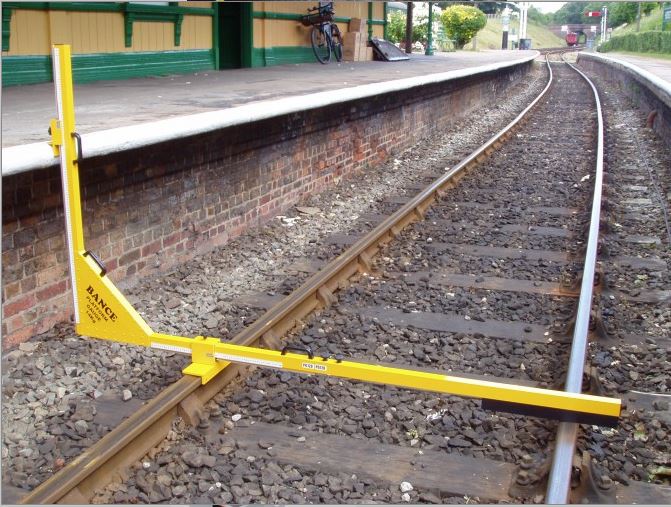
x,y
234,21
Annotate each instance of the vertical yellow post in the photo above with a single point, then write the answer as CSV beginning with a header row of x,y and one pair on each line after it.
x,y
62,68
101,311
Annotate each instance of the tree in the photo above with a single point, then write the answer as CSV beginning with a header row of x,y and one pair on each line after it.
x,y
537,16
618,12
462,22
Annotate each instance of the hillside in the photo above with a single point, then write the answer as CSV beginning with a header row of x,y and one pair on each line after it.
x,y
652,21
490,36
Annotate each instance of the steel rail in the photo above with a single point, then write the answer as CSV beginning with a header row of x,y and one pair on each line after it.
x,y
136,435
562,462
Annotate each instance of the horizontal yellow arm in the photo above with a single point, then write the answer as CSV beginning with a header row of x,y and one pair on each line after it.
x,y
544,402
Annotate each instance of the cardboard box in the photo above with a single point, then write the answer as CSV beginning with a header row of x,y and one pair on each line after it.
x,y
351,54
357,25
363,48
369,54
352,46
351,39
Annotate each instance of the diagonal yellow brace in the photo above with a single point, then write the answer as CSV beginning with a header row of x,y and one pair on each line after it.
x,y
101,311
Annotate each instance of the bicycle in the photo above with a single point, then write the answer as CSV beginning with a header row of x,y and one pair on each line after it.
x,y
325,35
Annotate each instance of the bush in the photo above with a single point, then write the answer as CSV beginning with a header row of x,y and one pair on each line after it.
x,y
462,22
643,42
396,28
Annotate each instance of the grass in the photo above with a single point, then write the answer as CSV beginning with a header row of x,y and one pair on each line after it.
x,y
490,36
652,21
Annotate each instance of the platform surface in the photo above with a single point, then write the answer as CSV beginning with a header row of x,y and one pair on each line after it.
x,y
658,66
26,110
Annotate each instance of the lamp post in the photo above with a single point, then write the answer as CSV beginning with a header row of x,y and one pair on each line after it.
x,y
429,35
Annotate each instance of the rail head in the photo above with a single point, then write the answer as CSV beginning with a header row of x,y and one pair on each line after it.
x,y
562,462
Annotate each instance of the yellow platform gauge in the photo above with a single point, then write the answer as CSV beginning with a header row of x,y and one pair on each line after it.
x,y
101,311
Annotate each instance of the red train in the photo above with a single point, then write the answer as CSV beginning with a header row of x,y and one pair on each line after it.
x,y
571,38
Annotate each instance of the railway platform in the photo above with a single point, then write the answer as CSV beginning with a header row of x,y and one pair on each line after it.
x,y
656,66
646,80
110,104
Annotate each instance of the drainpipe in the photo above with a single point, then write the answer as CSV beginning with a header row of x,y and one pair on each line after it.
x,y
429,35
386,22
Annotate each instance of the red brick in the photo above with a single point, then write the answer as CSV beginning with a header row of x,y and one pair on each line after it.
x,y
28,284
52,274
18,336
129,257
14,323
171,239
51,291
151,248
20,304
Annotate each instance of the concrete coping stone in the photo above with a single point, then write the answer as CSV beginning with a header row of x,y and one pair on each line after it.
x,y
32,156
656,84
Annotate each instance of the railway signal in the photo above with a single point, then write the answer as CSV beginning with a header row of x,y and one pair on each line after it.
x,y
102,311
593,14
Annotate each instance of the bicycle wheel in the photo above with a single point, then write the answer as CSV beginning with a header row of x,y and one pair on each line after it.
x,y
321,44
336,42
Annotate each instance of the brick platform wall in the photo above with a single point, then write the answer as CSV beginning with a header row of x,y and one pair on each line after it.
x,y
148,209
646,96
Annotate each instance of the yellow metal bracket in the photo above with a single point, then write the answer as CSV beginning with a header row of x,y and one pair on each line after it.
x,y
55,131
101,311
204,363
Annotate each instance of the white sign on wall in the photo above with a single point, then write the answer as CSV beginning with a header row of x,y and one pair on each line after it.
x,y
564,28
593,28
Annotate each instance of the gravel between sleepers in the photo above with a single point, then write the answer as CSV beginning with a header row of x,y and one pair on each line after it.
x,y
636,161
62,392
424,421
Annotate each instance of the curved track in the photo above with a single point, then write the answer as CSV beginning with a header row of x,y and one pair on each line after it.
x,y
437,244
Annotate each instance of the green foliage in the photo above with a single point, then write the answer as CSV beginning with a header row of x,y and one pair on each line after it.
x,y
643,42
537,16
420,29
462,22
396,28
618,12
493,7
649,22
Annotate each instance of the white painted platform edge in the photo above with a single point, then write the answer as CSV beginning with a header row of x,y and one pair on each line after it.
x,y
657,81
28,157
